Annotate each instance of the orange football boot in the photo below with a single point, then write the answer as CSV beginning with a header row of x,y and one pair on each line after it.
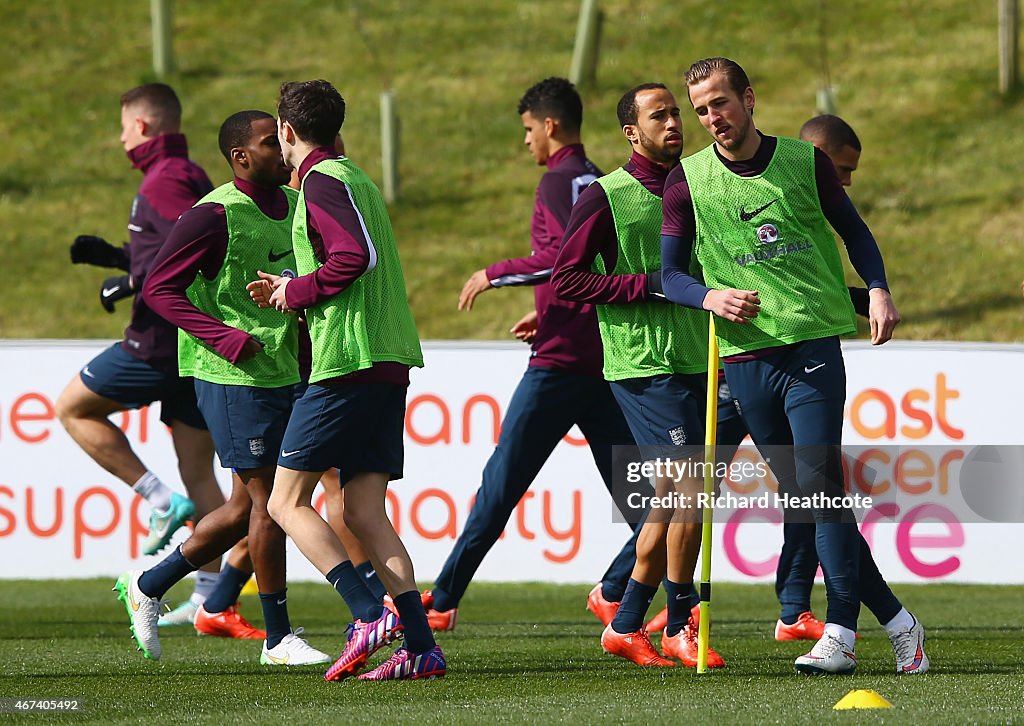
x,y
683,645
228,624
603,610
806,627
636,647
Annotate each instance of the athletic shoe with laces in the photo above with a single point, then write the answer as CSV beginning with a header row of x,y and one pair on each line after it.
x,y
163,526
909,649
604,610
683,645
292,651
364,639
438,620
806,627
636,647
227,624
829,655
660,621
143,613
184,614
406,666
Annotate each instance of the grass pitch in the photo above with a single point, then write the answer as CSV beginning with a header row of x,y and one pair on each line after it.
x,y
521,653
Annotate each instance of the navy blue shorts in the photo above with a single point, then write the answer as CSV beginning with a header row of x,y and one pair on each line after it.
x,y
355,427
664,411
246,423
133,383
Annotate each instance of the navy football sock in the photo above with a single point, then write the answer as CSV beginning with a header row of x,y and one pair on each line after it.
x,y
229,588
372,582
418,638
682,596
635,601
612,591
275,614
443,602
157,580
354,592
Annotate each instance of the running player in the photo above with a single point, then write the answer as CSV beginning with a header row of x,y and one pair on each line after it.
x,y
245,365
352,415
562,385
143,367
654,357
755,211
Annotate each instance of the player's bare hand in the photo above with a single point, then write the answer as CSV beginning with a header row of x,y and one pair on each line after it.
x,y
278,299
260,290
476,284
737,306
251,349
882,316
526,329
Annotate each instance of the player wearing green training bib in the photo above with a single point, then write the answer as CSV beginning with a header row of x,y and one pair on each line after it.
x,y
755,211
352,415
655,356
244,363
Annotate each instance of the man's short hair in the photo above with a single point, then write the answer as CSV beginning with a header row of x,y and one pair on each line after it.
x,y
315,110
159,102
734,74
554,98
829,133
236,130
627,108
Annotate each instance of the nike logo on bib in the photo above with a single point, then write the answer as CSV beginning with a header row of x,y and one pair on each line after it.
x,y
746,216
275,256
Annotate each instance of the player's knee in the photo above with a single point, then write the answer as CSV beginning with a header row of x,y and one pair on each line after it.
x,y
278,508
67,405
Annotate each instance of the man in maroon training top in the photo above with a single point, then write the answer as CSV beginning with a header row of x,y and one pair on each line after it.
x,y
563,384
144,367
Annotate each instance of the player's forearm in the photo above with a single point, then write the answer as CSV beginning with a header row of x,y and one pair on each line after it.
x,y
678,284
531,270
861,246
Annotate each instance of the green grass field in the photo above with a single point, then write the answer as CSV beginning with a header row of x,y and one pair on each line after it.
x,y
522,653
917,79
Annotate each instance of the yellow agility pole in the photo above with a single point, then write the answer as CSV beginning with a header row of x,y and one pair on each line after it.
x,y
710,438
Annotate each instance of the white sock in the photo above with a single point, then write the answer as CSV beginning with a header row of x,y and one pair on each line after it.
x,y
197,599
153,491
206,582
849,637
903,622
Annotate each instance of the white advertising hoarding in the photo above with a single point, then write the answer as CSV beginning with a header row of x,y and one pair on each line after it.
x,y
61,515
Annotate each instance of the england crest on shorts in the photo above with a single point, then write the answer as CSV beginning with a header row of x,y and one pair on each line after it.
x,y
256,447
677,435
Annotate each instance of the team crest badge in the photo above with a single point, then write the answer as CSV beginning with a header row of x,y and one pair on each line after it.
x,y
256,447
768,234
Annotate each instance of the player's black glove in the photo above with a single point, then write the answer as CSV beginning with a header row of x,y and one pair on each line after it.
x,y
860,299
654,288
114,289
97,251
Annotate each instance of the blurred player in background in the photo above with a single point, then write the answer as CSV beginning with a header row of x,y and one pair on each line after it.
x,y
143,367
